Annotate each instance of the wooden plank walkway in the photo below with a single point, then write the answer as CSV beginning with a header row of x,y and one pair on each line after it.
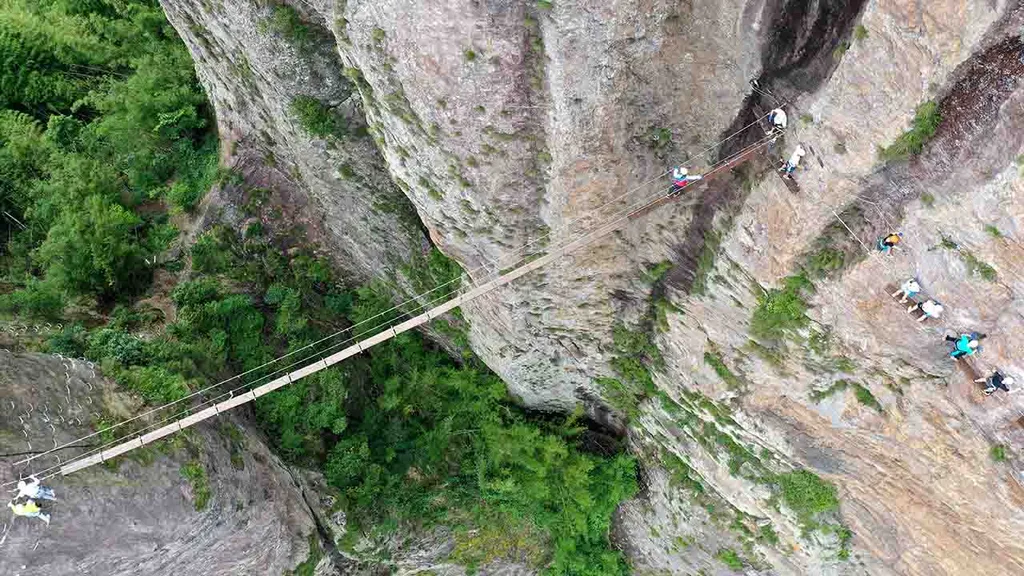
x,y
391,332
385,335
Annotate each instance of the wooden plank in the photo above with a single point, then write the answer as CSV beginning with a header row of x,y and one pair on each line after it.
x,y
160,433
81,464
198,417
236,401
121,449
278,383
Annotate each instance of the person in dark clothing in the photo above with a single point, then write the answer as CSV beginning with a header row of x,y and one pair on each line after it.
x,y
997,381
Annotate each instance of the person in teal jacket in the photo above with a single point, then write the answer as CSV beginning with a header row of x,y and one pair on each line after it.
x,y
965,344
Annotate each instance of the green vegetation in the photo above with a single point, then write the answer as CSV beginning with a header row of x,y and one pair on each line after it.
x,y
103,128
469,55
316,118
807,495
994,231
545,4
998,453
308,566
823,262
782,311
865,397
835,387
655,273
840,49
195,473
975,266
660,139
730,558
714,359
910,143
927,199
286,21
860,32
806,119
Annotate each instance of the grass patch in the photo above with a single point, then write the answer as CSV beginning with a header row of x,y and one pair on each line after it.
x,y
195,473
806,119
998,453
860,33
865,397
714,359
781,312
469,55
910,143
993,231
928,199
730,558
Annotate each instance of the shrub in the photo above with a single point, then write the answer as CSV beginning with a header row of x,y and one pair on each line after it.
x,y
806,495
317,118
910,143
287,22
998,453
860,32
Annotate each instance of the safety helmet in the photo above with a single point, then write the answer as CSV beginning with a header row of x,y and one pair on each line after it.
x,y
1008,380
973,343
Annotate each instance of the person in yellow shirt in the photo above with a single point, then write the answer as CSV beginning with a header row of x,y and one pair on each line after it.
x,y
28,509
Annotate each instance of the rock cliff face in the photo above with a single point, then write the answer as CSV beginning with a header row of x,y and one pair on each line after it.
x,y
143,517
513,124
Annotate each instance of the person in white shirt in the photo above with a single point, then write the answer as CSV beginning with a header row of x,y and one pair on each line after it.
x,y
33,490
909,289
777,118
929,309
790,165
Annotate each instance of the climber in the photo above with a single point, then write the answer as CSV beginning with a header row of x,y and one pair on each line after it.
x,y
680,178
909,289
789,166
33,490
777,118
28,508
930,309
889,242
997,381
965,344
